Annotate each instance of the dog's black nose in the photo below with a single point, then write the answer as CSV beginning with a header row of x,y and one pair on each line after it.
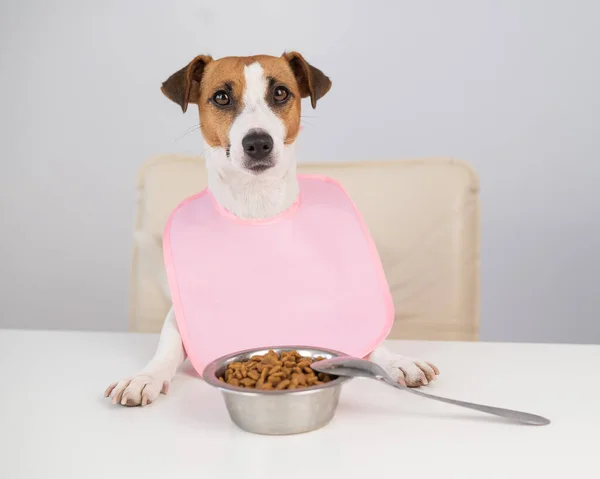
x,y
257,145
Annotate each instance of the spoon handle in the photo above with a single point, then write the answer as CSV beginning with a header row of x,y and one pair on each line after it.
x,y
497,411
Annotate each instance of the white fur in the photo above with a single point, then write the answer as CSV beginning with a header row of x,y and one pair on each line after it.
x,y
256,115
145,386
248,196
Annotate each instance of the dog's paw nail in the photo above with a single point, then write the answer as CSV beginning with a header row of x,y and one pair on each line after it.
x,y
165,387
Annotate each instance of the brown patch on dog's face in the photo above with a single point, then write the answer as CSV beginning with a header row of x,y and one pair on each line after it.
x,y
219,88
282,94
223,80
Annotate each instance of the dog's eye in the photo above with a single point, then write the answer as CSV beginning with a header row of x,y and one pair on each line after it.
x,y
280,94
221,98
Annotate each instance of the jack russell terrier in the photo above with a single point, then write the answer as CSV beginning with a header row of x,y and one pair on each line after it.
x,y
249,111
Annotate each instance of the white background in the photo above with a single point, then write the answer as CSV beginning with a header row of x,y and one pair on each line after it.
x,y
511,87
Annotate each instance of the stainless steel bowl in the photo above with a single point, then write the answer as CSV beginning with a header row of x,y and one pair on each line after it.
x,y
277,412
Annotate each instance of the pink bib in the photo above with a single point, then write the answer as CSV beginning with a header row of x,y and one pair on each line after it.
x,y
310,277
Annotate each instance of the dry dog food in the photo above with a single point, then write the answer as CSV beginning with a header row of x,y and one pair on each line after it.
x,y
273,371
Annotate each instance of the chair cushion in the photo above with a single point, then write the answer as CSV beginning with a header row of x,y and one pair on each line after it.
x,y
423,216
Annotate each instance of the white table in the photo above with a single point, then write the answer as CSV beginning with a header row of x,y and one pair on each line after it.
x,y
55,423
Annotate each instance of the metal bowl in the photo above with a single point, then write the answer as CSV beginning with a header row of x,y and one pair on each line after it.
x,y
277,412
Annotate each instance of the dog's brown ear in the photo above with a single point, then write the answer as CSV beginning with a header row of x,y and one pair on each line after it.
x,y
312,81
183,87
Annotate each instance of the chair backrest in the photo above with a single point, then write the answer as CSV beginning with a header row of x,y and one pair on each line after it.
x,y
422,214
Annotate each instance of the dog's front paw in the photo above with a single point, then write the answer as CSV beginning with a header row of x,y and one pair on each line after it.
x,y
410,372
140,390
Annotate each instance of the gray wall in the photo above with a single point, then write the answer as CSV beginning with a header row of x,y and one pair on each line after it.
x,y
511,87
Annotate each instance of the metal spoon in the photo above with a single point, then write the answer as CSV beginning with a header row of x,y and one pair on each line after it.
x,y
353,367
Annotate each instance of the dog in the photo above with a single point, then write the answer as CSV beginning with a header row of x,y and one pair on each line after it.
x,y
249,109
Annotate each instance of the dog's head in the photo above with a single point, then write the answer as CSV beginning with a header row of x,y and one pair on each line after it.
x,y
249,106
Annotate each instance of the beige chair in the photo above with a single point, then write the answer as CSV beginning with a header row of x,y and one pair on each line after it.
x,y
423,215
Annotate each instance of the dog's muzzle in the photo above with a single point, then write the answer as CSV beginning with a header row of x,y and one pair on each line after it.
x,y
258,149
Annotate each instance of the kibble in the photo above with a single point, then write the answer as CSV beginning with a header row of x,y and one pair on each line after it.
x,y
287,370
